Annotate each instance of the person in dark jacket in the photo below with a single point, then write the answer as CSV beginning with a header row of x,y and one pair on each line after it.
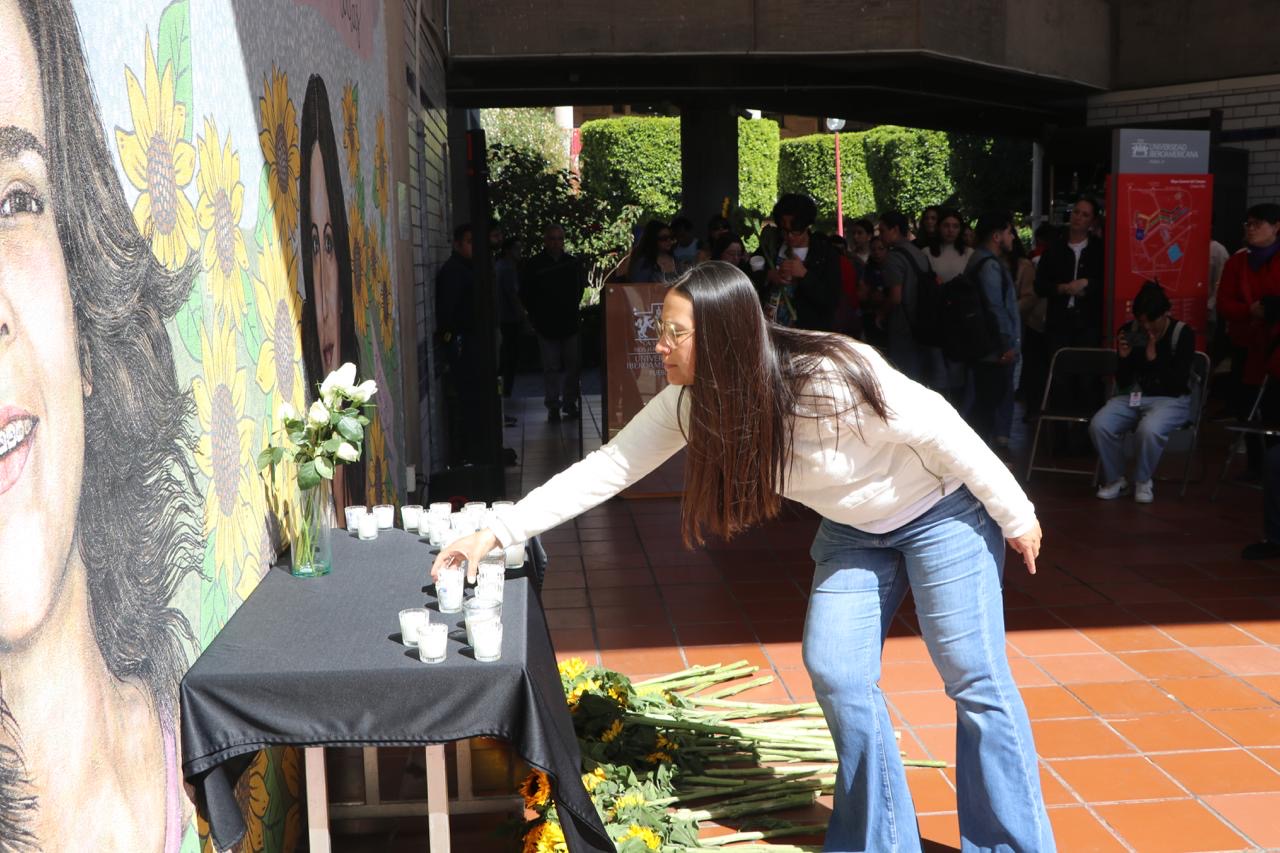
x,y
455,324
799,282
1153,393
551,287
1070,276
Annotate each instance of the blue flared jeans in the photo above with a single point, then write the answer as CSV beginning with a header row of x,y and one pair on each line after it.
x,y
952,558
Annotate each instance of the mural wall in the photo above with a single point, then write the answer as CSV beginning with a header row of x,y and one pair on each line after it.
x,y
194,227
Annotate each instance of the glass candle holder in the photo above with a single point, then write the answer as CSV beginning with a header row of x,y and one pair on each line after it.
x,y
412,621
353,514
496,505
433,642
474,507
440,508
464,523
409,515
368,527
449,585
477,610
386,516
486,640
515,555
437,530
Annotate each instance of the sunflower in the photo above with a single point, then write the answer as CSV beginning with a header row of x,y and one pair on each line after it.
x,y
572,668
380,164
591,780
279,142
359,271
536,790
385,300
650,838
159,163
224,453
351,129
377,469
218,213
545,837
611,734
280,312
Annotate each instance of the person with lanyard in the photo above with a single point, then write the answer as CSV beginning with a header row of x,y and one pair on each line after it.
x,y
1154,394
911,499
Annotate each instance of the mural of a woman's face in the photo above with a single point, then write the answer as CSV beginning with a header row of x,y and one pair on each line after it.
x,y
41,402
324,266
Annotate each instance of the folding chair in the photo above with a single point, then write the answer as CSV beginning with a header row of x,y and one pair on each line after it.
x,y
1186,438
1072,362
1251,427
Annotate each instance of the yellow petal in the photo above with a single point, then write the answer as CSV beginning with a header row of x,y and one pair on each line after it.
x,y
265,375
204,456
186,224
236,200
138,107
152,84
177,113
184,162
204,212
142,214
268,145
132,158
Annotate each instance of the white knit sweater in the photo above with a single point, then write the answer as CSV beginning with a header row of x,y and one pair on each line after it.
x,y
897,467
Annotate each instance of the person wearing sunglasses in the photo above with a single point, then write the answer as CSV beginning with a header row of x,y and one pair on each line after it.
x,y
652,260
910,499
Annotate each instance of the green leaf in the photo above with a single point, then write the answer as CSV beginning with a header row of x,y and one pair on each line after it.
x,y
253,336
308,476
213,600
264,220
173,47
332,445
323,467
350,429
267,457
189,318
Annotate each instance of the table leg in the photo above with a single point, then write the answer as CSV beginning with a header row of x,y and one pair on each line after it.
x,y
462,753
437,799
317,800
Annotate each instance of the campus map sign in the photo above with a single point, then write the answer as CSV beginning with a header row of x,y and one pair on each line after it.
x,y
1161,205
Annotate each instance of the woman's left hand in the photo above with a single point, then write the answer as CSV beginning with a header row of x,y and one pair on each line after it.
x,y
1028,545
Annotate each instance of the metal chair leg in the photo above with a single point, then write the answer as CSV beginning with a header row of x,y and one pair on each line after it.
x,y
1035,442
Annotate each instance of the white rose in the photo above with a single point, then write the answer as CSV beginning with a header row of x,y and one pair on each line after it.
x,y
288,411
348,453
341,379
362,392
318,413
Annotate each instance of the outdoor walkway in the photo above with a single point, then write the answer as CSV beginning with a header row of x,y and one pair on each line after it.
x,y
1147,653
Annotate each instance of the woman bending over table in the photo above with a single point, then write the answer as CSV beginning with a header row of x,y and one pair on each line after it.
x,y
909,496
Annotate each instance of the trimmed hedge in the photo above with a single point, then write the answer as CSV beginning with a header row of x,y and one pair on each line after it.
x,y
807,164
636,160
909,168
991,173
757,165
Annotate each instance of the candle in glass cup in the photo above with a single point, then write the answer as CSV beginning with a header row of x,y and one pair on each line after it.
x,y
409,515
433,642
487,640
440,508
464,523
386,516
412,621
449,586
515,555
491,582
476,610
368,527
437,530
353,514
474,507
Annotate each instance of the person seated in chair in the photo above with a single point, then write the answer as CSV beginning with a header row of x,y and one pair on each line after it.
x,y
1153,396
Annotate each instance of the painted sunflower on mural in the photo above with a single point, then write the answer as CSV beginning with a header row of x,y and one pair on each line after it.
x,y
279,142
159,163
380,165
259,800
351,129
359,269
386,305
221,204
224,452
378,466
275,286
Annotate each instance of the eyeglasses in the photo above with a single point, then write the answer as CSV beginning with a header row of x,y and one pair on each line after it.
x,y
670,333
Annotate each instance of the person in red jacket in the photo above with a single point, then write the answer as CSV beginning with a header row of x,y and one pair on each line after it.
x,y
1249,300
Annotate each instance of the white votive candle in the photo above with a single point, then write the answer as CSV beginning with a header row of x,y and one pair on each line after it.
x,y
440,508
368,527
353,514
386,516
409,515
412,621
486,640
515,555
433,642
449,586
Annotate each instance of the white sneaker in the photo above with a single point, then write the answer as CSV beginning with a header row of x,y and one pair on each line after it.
x,y
1144,493
1111,491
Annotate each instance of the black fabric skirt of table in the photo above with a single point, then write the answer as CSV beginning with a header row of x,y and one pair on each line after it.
x,y
319,662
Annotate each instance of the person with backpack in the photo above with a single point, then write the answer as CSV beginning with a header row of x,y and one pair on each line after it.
x,y
911,298
1153,394
993,371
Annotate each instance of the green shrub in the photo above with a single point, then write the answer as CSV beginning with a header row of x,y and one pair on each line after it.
x,y
633,161
807,164
991,173
531,128
909,168
757,165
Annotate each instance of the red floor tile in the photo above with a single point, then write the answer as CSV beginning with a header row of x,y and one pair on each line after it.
x,y
1170,732
1213,693
699,655
1175,826
1076,738
1075,829
617,616
1048,703
1244,660
1124,697
1100,780
940,832
1074,669
909,676
1253,814
1054,792
940,741
930,791
931,708
1252,727
1232,771
1168,664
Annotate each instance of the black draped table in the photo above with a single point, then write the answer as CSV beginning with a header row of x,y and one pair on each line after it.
x,y
317,662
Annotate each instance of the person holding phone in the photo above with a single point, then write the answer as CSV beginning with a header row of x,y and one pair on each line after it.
x,y
1153,394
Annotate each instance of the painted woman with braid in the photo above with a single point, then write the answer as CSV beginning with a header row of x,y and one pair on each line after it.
x,y
97,495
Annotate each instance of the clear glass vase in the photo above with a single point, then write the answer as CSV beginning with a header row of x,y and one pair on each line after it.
x,y
312,542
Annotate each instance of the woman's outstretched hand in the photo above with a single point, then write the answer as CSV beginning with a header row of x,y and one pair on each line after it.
x,y
1028,545
471,548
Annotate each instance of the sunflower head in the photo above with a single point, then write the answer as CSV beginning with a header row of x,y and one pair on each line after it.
x,y
536,790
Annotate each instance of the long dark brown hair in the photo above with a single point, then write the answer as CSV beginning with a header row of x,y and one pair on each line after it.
x,y
752,379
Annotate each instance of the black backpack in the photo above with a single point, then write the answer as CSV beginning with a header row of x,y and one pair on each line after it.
x,y
969,331
927,321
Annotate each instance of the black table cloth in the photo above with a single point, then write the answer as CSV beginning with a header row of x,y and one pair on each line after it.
x,y
319,662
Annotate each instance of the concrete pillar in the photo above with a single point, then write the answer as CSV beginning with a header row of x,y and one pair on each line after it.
x,y
708,161
564,121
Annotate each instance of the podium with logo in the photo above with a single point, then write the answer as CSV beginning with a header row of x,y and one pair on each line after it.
x,y
633,373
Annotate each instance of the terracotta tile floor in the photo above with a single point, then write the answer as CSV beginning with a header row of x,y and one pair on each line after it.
x,y
1147,652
